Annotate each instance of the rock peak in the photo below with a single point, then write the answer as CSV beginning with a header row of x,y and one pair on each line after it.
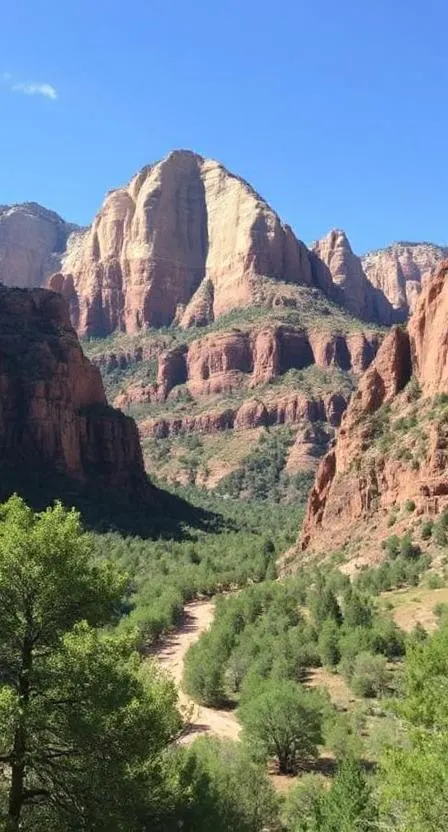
x,y
186,237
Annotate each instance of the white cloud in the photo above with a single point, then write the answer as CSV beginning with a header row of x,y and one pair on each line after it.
x,y
29,88
47,90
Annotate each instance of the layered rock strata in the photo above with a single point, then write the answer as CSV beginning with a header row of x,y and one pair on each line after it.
x,y
392,445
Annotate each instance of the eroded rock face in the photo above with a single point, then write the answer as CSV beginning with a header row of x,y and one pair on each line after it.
x,y
232,361
363,297
400,271
216,363
32,243
53,411
360,479
347,274
284,409
228,361
186,241
428,331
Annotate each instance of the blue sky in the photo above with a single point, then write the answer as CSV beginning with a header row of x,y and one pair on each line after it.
x,y
336,112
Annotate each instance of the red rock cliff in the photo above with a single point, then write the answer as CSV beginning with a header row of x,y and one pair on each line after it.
x,y
186,241
53,410
393,443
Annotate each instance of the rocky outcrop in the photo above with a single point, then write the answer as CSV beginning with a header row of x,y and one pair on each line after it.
x,y
428,332
310,444
399,272
334,251
361,479
217,363
53,412
283,409
361,296
32,243
185,241
228,362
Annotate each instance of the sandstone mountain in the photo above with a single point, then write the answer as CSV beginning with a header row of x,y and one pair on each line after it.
x,y
33,241
264,370
55,422
186,241
213,324
382,286
399,272
390,456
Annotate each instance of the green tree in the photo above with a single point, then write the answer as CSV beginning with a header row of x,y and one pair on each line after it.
x,y
231,791
324,604
357,610
370,675
414,778
349,805
283,720
80,728
328,643
301,807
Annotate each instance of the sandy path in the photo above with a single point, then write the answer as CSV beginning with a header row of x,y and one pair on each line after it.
x,y
170,653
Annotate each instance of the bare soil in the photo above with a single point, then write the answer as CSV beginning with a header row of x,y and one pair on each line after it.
x,y
415,605
170,653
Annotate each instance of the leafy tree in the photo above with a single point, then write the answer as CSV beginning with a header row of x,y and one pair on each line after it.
x,y
414,778
324,604
204,670
235,792
357,610
301,807
349,805
328,643
343,734
387,638
283,720
80,727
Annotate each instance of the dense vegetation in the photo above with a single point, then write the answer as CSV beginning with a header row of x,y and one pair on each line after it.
x,y
89,727
236,547
262,475
279,631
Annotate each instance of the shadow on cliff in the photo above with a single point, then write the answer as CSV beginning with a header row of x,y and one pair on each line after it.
x,y
158,514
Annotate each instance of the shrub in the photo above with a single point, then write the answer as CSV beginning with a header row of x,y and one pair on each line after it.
x,y
435,582
370,676
342,734
409,505
226,789
407,548
392,546
427,529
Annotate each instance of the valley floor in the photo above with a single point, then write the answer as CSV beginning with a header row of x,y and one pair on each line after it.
x,y
171,651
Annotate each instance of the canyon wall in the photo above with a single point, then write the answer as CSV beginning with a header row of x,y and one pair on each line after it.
x,y
393,440
53,411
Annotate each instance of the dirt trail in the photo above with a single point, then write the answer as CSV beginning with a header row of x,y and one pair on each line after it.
x,y
170,653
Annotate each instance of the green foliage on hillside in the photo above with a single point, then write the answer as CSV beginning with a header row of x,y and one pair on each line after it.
x,y
164,574
261,476
413,778
263,633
